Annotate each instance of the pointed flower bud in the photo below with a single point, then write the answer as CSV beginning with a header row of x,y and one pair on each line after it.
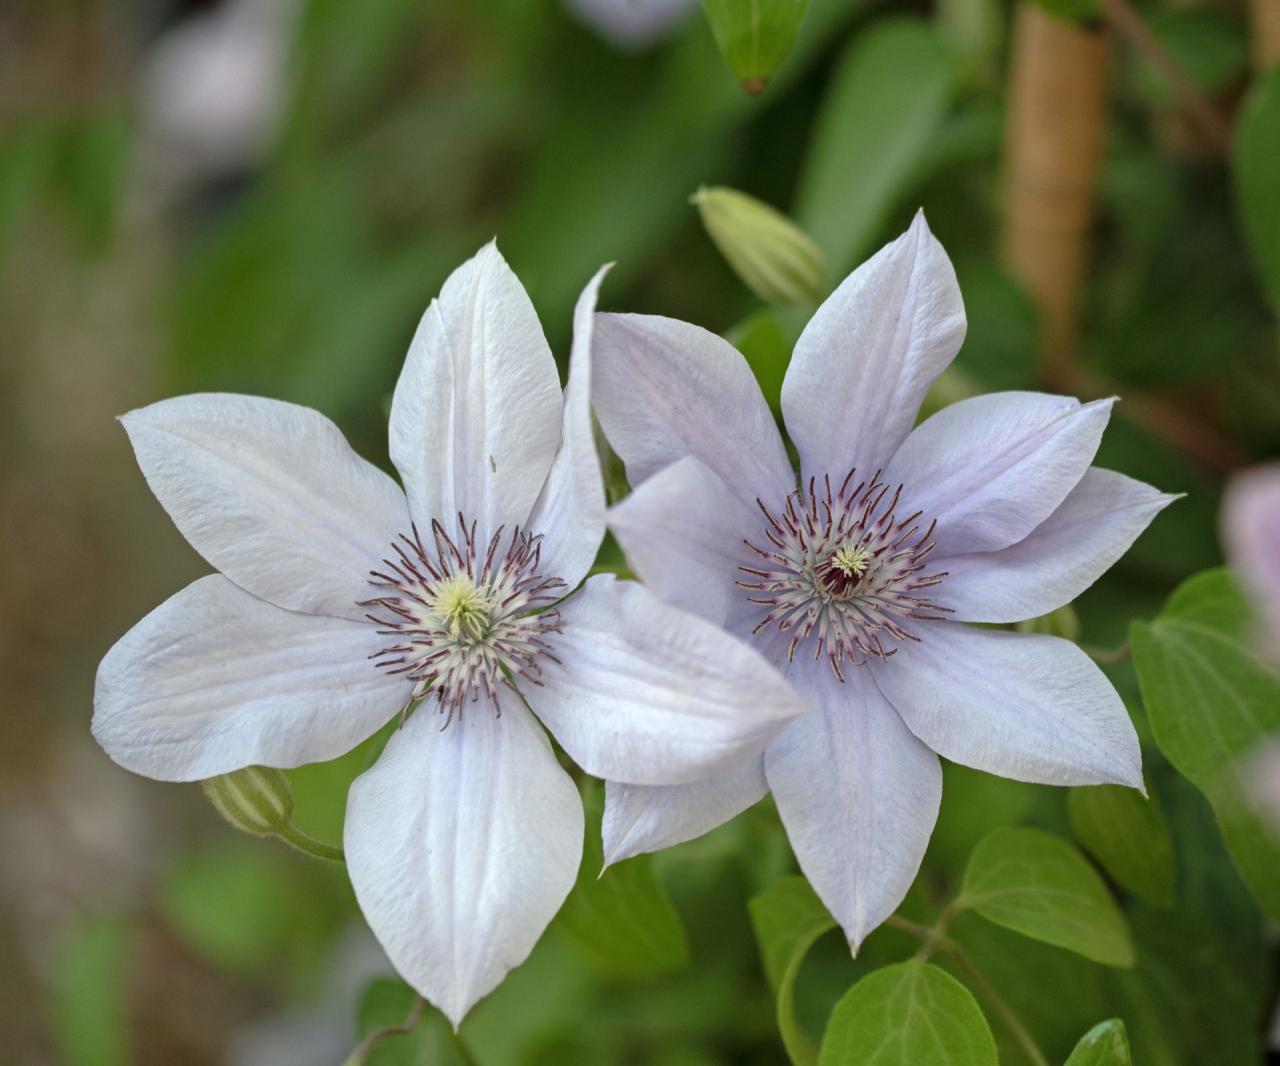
x,y
776,259
256,800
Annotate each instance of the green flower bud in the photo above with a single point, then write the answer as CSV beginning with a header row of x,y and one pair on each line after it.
x,y
256,800
1064,622
774,257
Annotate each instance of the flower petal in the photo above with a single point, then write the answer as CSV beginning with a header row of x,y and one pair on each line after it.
x,y
1025,706
646,694
858,795
992,468
682,532
1063,556
641,818
461,844
475,419
867,357
214,680
1251,534
570,512
272,495
665,389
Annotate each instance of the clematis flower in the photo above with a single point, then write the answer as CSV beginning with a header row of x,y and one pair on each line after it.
x,y
631,23
861,577
1251,534
343,599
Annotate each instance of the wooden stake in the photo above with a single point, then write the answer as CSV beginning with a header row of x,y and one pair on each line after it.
x,y
1053,147
1266,33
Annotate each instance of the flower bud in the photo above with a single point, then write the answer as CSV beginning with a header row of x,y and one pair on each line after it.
x,y
770,253
256,800
1064,622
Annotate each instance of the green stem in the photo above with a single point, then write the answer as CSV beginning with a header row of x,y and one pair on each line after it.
x,y
936,938
296,838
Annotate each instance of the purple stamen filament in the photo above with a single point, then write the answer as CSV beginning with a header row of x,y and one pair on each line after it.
x,y
464,620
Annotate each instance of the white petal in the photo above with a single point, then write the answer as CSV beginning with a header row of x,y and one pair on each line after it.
x,y
272,495
858,795
570,512
665,389
867,357
461,844
641,818
632,23
475,420
214,680
1063,556
682,532
1251,533
992,468
1025,706
647,694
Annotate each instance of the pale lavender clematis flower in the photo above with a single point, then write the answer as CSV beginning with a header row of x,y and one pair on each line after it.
x,y
860,581
342,598
632,23
1251,533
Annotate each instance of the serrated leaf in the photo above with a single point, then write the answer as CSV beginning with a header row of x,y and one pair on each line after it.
x,y
905,1015
788,918
1211,700
1127,836
622,919
754,36
1039,885
1106,1044
1255,161
887,100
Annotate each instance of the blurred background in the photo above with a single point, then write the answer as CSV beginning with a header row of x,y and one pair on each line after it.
x,y
263,196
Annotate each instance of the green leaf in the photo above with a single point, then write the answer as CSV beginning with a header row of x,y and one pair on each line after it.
x,y
1255,162
788,917
622,918
90,983
887,101
1106,1044
754,36
904,1015
1210,46
1039,885
1127,835
1211,700
766,345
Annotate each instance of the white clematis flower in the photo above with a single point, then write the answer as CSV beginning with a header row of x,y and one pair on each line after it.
x,y
860,581
1251,534
342,599
632,23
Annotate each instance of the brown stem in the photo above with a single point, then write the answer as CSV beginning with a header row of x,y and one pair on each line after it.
x,y
1053,148
366,1046
1160,417
1200,110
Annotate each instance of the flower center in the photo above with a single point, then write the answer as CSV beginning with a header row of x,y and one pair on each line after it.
x,y
464,621
843,571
